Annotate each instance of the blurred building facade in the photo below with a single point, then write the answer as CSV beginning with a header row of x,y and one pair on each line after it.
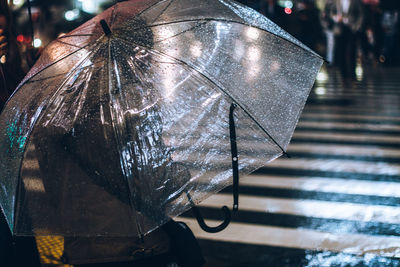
x,y
304,19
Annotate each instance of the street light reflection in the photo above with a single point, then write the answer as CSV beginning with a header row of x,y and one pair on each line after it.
x,y
165,33
169,84
320,91
252,33
196,49
239,50
275,66
254,53
37,43
18,2
253,72
322,77
359,72
33,184
253,66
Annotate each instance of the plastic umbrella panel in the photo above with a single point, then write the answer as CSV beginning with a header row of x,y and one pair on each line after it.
x,y
112,135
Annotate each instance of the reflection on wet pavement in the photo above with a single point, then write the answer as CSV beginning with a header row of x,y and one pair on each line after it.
x,y
336,201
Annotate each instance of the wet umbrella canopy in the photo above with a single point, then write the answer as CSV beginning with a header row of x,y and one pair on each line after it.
x,y
115,129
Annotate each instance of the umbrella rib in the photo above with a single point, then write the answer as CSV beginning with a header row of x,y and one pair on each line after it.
x,y
46,78
147,8
110,89
37,73
159,15
73,35
194,27
65,43
48,66
231,21
194,68
113,14
69,74
61,74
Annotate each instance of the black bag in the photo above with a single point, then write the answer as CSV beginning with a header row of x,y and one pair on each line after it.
x,y
183,249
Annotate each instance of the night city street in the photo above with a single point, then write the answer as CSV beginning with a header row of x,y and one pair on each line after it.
x,y
125,126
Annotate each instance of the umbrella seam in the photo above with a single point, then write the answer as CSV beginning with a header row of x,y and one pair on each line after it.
x,y
110,87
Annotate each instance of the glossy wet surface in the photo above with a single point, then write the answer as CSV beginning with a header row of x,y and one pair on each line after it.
x,y
336,201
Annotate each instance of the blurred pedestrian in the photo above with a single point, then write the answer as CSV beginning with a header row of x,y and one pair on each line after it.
x,y
371,38
14,251
328,26
274,12
390,24
348,17
11,72
309,29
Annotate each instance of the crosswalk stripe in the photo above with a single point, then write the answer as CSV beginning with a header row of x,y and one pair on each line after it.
x,y
316,195
343,150
325,109
33,184
245,254
354,142
328,93
349,117
347,137
366,91
351,166
350,126
320,184
310,208
339,226
358,244
295,172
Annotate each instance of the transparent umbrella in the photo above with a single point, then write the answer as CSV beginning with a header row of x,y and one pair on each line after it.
x,y
130,119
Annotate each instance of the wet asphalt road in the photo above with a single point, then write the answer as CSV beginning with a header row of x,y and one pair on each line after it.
x,y
336,201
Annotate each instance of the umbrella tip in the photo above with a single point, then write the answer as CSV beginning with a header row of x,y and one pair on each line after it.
x,y
105,27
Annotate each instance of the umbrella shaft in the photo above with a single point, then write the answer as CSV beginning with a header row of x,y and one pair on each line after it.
x,y
235,164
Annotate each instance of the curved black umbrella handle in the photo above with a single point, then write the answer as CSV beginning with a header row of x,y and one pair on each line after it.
x,y
216,229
